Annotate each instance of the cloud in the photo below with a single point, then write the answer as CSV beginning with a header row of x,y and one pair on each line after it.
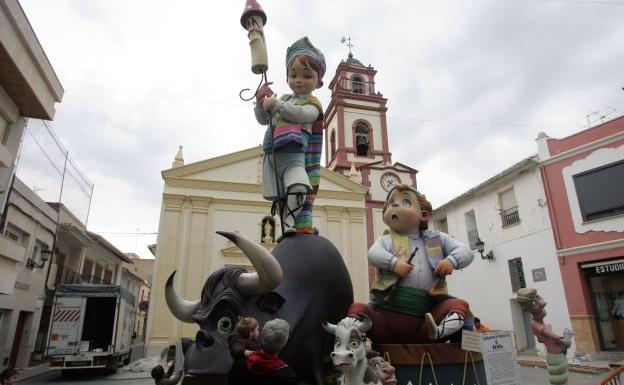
x,y
469,84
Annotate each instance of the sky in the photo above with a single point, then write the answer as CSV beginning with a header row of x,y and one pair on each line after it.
x,y
469,83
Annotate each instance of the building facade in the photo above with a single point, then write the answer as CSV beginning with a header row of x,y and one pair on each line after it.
x,y
28,235
224,193
509,214
583,176
142,268
29,89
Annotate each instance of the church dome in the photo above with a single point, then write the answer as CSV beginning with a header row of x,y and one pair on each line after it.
x,y
354,61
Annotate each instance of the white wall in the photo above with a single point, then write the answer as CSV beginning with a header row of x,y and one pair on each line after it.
x,y
486,285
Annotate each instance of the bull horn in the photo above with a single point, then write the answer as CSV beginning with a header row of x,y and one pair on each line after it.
x,y
179,307
329,327
268,273
365,323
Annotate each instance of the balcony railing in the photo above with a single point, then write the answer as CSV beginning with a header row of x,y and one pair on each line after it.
x,y
473,237
66,275
511,216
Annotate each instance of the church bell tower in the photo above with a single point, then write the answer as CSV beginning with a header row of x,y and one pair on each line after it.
x,y
356,139
355,120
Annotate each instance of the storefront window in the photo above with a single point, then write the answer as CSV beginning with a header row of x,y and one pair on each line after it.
x,y
606,281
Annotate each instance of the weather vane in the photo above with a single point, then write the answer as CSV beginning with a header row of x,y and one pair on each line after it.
x,y
347,40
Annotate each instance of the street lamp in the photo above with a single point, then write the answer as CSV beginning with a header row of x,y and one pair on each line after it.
x,y
481,247
44,255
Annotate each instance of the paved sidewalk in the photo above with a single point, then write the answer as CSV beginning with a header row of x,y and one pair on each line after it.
x,y
589,367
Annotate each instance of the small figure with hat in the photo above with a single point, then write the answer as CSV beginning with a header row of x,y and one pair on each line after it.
x,y
293,141
556,346
409,302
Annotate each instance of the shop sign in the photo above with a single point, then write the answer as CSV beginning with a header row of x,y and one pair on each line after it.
x,y
604,268
22,286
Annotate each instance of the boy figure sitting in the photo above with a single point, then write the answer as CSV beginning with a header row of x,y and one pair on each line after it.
x,y
293,141
409,300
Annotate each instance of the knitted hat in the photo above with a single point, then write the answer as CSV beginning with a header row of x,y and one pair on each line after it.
x,y
304,47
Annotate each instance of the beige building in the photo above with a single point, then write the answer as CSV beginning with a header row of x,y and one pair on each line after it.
x,y
224,193
29,88
143,268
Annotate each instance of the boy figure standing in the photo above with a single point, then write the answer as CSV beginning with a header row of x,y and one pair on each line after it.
x,y
409,301
293,141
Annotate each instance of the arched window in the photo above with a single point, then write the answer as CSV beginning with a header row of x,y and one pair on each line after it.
x,y
362,141
332,144
357,85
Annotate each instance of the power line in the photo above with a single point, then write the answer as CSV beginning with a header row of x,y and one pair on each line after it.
x,y
173,96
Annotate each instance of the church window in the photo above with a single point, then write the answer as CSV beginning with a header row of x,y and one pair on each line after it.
x,y
357,84
332,142
362,141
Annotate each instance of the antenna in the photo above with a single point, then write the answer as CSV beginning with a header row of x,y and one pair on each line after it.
x,y
601,116
590,114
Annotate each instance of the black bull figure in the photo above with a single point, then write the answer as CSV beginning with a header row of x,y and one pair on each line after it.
x,y
304,282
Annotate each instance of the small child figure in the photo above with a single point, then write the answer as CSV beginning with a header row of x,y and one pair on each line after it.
x,y
293,141
244,339
265,365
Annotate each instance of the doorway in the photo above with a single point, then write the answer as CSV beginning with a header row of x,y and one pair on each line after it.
x,y
20,341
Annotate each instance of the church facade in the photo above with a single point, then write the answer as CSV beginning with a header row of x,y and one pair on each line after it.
x,y
224,193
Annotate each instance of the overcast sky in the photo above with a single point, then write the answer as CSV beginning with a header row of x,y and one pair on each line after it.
x,y
469,84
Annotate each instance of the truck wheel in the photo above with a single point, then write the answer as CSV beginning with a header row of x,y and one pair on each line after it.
x,y
127,361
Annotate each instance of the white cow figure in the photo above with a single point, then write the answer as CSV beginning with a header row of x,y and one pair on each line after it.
x,y
349,355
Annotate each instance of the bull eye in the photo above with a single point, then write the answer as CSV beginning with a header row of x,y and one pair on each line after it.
x,y
225,325
354,344
337,344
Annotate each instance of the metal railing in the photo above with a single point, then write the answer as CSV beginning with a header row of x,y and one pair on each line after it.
x,y
473,237
614,378
511,216
65,275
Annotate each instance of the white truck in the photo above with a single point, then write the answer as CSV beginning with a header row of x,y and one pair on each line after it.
x,y
91,327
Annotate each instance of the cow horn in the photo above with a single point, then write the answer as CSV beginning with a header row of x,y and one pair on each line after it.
x,y
329,327
365,323
268,273
179,307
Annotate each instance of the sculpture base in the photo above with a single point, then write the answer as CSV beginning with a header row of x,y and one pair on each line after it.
x,y
450,363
